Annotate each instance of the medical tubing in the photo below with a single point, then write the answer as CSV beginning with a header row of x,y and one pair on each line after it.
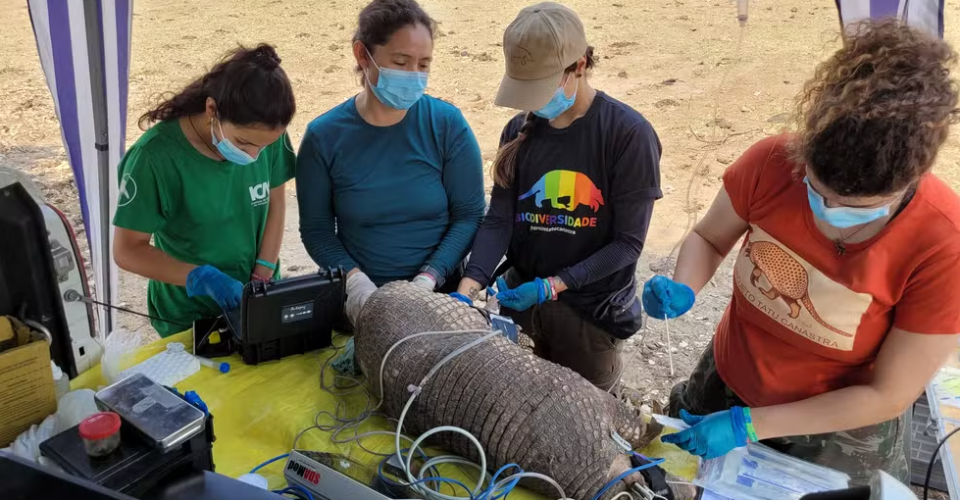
x,y
415,391
625,474
448,428
383,362
268,462
447,459
493,481
533,475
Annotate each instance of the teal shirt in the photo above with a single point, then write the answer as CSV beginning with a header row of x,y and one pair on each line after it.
x,y
390,200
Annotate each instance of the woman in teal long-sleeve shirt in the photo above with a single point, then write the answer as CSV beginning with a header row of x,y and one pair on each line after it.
x,y
390,183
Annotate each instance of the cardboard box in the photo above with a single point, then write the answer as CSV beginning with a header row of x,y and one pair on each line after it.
x,y
27,394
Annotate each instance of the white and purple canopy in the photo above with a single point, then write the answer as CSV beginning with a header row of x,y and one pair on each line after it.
x,y
925,14
84,48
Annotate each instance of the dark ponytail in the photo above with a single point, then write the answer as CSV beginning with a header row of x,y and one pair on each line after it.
x,y
505,165
248,85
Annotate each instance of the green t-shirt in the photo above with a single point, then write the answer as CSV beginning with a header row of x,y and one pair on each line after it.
x,y
199,210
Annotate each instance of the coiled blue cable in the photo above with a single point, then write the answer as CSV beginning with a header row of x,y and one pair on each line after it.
x,y
625,474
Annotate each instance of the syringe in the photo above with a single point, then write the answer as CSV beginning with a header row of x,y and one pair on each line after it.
x,y
742,12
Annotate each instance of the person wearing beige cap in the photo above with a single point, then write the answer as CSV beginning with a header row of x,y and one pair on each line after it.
x,y
575,180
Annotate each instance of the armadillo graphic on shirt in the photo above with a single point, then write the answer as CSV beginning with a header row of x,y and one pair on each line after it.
x,y
791,291
565,190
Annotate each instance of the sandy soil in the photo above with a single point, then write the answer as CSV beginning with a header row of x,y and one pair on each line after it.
x,y
709,88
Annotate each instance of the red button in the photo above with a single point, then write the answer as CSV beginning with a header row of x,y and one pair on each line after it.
x,y
100,425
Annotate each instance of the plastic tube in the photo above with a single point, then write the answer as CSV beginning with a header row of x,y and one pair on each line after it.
x,y
533,475
742,12
383,362
221,366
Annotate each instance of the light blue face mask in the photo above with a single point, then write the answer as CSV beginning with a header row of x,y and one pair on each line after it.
x,y
398,89
228,150
558,103
843,217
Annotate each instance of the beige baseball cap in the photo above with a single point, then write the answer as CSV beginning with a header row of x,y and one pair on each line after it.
x,y
539,44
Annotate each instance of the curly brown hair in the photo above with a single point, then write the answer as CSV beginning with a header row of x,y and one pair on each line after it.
x,y
871,120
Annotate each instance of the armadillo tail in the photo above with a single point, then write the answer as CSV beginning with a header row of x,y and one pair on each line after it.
x,y
813,312
528,194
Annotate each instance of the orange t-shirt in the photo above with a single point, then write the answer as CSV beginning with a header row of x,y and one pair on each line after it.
x,y
804,319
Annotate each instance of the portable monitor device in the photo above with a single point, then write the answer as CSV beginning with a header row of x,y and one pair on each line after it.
x,y
290,316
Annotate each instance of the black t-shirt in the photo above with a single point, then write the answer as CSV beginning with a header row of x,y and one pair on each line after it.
x,y
580,205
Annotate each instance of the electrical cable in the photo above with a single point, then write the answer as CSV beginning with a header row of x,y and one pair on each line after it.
x,y
532,475
295,489
87,300
625,474
268,462
622,494
933,458
416,391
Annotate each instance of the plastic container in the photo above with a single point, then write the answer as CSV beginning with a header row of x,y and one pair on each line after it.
x,y
100,433
61,383
167,368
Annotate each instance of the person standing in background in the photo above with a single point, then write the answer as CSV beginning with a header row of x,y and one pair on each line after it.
x,y
206,182
390,183
575,182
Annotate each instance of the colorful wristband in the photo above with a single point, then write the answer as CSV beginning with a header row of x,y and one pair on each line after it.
x,y
751,431
553,288
269,265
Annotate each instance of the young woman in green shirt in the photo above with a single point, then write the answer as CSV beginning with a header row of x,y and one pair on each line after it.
x,y
206,182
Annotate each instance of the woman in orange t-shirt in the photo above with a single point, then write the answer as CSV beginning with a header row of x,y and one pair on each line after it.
x,y
846,295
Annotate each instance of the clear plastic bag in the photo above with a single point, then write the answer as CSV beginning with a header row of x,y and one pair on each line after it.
x,y
118,351
756,472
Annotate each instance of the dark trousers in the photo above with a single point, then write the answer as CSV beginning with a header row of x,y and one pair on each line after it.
x,y
561,335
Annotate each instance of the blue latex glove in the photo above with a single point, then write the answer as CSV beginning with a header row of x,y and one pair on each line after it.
x,y
713,435
664,298
210,281
524,296
462,298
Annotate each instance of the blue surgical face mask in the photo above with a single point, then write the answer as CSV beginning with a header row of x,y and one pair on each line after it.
x,y
398,89
843,217
228,150
558,103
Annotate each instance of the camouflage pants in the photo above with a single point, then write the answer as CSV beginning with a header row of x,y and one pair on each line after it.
x,y
857,452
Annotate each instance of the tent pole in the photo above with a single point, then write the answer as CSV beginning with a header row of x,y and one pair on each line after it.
x,y
101,129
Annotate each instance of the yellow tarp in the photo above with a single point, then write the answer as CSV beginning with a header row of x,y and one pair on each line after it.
x,y
259,410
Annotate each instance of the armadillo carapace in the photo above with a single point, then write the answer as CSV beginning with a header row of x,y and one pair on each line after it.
x,y
523,409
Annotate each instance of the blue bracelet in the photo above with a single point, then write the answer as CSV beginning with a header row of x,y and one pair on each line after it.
x,y
269,265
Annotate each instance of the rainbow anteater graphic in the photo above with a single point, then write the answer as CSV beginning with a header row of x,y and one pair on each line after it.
x,y
557,184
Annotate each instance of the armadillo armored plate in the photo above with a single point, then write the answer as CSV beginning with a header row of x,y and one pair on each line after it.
x,y
523,409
